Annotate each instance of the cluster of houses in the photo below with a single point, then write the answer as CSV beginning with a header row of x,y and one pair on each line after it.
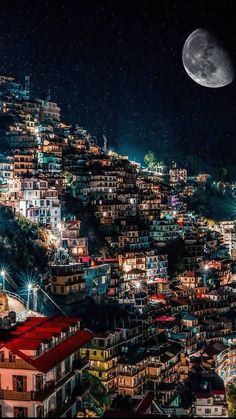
x,y
168,270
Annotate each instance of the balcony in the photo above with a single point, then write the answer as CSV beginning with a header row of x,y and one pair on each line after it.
x,y
79,391
15,395
16,364
80,364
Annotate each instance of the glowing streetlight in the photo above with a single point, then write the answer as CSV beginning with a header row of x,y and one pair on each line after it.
x,y
206,267
30,286
3,274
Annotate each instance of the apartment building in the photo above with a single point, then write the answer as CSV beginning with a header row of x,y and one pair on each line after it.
x,y
41,366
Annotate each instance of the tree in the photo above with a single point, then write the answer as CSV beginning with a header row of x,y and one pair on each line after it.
x,y
150,159
231,398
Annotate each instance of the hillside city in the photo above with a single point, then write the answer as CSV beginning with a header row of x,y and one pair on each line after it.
x,y
117,299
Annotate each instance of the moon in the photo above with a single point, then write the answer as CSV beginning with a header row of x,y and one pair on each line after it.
x,y
206,61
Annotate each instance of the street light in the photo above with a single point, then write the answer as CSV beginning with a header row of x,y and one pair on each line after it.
x,y
30,286
3,274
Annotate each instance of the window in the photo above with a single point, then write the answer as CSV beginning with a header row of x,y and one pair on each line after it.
x,y
67,391
19,383
58,372
38,382
94,352
59,399
20,412
1,356
208,411
39,412
12,357
67,365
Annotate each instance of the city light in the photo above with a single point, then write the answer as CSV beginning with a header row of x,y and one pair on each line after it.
x,y
3,272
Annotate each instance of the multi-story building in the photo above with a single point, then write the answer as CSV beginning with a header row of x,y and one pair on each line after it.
x,y
97,279
67,280
6,169
40,368
39,203
177,176
102,352
164,230
228,231
49,111
70,237
23,164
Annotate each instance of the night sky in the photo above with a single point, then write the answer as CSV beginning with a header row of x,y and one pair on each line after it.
x,y
116,68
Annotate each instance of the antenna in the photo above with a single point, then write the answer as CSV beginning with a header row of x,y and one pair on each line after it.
x,y
49,95
104,143
27,85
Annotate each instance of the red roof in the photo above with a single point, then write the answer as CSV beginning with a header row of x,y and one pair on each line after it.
x,y
145,403
38,330
164,319
157,297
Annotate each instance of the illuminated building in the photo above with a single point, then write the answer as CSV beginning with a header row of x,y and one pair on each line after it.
x,y
67,280
70,237
40,368
23,163
39,203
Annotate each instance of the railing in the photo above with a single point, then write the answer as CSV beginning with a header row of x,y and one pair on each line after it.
x,y
78,391
16,296
16,364
15,395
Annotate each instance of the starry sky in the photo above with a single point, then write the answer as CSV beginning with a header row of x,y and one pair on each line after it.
x,y
116,68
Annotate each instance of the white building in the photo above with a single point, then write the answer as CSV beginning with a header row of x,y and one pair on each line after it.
x,y
39,203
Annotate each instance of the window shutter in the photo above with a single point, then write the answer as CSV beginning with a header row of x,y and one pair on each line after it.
x,y
14,382
24,383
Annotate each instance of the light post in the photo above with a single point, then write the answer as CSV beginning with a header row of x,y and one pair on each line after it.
x,y
35,298
28,295
3,274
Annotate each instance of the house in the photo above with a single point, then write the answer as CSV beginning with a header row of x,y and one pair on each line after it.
x,y
40,367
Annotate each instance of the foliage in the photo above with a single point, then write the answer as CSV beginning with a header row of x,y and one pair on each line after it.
x,y
175,251
150,159
97,389
212,203
75,209
231,399
18,246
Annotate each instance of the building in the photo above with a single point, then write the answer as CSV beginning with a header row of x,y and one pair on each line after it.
x,y
39,203
40,368
66,280
97,279
177,176
23,164
70,237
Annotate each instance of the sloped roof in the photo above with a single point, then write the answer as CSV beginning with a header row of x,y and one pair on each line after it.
x,y
35,331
